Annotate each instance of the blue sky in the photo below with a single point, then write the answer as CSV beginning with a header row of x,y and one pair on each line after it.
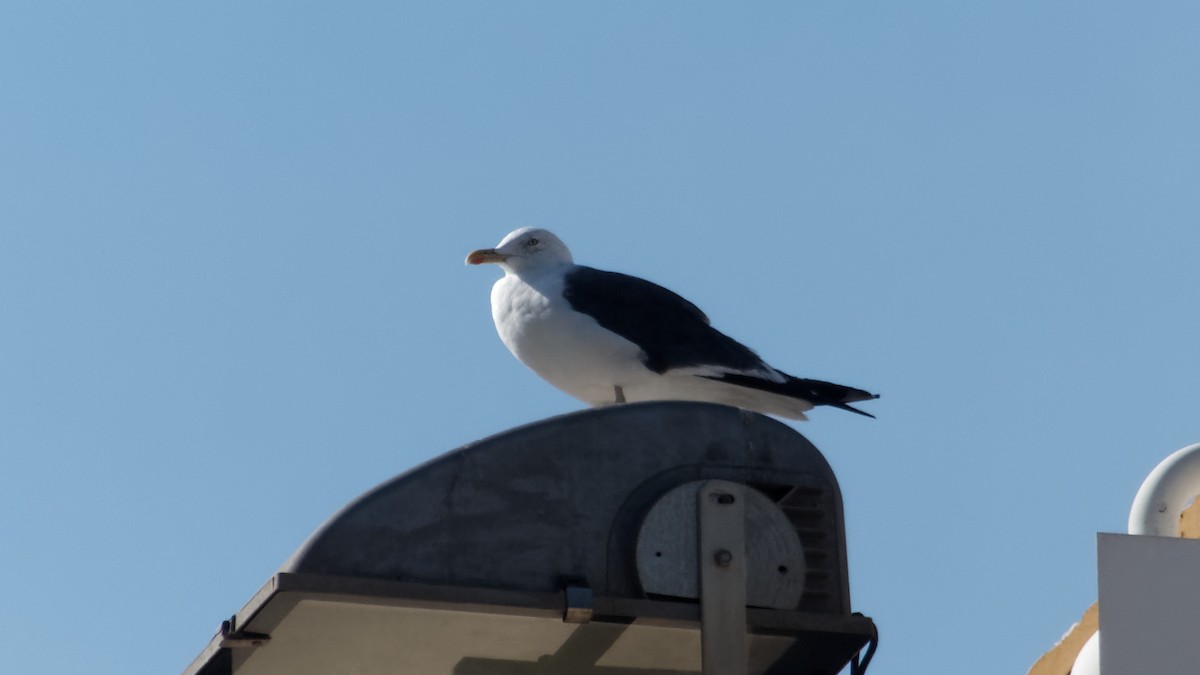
x,y
231,243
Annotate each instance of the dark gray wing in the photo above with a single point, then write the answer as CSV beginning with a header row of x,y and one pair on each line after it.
x,y
671,332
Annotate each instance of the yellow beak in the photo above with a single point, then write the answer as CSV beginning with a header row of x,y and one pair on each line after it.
x,y
485,255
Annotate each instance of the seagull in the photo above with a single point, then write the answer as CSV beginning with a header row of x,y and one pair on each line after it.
x,y
607,338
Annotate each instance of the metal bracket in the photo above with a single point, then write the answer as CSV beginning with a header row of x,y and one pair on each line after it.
x,y
232,638
579,604
721,515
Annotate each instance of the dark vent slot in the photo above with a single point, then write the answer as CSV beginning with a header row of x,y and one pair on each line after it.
x,y
807,509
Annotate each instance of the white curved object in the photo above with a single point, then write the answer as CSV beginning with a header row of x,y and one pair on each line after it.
x,y
1169,488
1088,660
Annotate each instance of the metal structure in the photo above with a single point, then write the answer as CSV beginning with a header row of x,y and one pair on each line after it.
x,y
1145,584
645,539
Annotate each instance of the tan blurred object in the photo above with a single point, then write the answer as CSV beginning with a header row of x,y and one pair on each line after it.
x,y
1189,522
1061,658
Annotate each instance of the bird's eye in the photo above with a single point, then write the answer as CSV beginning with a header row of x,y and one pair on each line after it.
x,y
533,241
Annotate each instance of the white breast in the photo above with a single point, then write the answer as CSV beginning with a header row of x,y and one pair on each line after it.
x,y
568,349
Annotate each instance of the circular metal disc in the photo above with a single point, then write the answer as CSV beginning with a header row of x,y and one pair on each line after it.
x,y
668,541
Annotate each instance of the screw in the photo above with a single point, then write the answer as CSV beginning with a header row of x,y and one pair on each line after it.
x,y
723,558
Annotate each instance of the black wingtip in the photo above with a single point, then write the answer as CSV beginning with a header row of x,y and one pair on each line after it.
x,y
815,392
850,408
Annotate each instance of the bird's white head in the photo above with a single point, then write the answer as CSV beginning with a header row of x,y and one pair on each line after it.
x,y
529,249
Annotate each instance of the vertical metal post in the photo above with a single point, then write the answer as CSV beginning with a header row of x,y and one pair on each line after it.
x,y
721,515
